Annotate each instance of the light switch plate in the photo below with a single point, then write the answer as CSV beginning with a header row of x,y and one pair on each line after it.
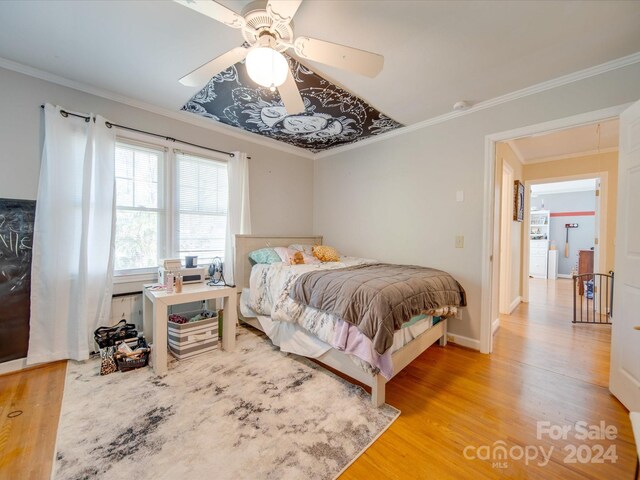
x,y
460,196
460,241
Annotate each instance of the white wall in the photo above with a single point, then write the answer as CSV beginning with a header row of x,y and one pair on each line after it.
x,y
281,183
581,238
395,199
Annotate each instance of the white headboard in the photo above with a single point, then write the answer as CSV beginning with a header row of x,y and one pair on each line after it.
x,y
245,244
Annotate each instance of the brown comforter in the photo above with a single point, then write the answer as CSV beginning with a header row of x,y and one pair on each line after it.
x,y
378,298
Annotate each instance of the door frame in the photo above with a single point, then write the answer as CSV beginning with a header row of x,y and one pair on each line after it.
x,y
506,217
490,235
600,260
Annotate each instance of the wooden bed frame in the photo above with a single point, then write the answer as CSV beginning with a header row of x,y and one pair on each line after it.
x,y
333,358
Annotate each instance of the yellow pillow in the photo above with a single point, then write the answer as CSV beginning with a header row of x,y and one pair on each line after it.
x,y
326,254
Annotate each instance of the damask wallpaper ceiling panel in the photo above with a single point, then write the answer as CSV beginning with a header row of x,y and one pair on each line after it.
x,y
333,116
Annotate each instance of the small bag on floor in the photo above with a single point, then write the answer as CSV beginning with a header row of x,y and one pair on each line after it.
x,y
108,362
111,336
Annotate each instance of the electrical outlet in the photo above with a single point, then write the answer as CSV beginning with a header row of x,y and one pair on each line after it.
x,y
460,241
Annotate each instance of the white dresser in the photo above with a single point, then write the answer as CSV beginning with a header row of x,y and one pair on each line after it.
x,y
538,250
539,243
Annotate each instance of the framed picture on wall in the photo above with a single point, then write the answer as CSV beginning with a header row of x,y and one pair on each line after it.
x,y
518,201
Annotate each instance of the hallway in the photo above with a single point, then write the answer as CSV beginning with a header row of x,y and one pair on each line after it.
x,y
540,334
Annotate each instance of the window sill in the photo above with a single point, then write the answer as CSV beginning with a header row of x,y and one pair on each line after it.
x,y
132,283
135,277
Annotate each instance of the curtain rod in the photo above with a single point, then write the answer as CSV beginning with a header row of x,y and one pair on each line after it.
x,y
64,113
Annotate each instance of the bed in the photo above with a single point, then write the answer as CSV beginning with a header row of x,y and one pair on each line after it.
x,y
407,344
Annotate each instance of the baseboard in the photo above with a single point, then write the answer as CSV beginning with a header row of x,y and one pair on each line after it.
x,y
515,304
564,275
13,365
495,325
463,341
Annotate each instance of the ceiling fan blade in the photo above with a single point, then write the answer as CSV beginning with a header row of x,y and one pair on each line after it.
x,y
336,55
201,75
290,95
214,10
282,11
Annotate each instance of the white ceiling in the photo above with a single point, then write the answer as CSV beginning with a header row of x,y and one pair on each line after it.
x,y
583,140
585,185
436,52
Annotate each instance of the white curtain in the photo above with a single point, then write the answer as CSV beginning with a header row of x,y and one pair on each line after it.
x,y
72,265
239,214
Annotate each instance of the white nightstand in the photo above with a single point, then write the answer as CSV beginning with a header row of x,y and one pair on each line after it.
x,y
155,316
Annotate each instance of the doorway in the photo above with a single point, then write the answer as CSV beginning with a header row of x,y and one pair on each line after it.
x,y
563,234
595,161
567,177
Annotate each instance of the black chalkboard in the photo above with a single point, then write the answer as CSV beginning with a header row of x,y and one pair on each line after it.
x,y
16,236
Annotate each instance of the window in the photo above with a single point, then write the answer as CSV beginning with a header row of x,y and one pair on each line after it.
x,y
168,204
201,216
139,207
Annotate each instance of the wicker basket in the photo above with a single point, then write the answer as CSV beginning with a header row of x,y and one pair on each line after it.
x,y
131,361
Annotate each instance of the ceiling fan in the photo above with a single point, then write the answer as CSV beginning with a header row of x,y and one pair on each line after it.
x,y
267,29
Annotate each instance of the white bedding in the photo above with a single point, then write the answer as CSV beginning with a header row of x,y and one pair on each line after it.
x,y
270,285
292,338
304,330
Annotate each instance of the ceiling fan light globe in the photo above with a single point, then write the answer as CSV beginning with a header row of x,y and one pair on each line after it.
x,y
267,67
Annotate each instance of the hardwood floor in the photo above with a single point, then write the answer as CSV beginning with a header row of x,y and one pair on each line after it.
x,y
543,369
29,410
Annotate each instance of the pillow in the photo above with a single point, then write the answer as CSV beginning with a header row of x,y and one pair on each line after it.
x,y
264,255
325,253
284,253
301,247
310,259
287,256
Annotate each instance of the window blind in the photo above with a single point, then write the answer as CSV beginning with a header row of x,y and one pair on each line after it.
x,y
202,197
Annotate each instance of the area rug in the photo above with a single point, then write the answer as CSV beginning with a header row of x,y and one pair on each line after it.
x,y
254,413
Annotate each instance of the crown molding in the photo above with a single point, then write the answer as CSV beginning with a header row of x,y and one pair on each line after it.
x,y
179,115
525,92
516,151
254,138
567,156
